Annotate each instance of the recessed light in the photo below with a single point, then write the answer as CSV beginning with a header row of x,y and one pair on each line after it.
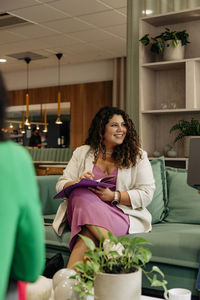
x,y
147,12
3,60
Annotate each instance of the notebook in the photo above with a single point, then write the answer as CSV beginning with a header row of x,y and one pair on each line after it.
x,y
85,183
193,177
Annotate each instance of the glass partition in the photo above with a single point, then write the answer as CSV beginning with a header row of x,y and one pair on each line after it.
x,y
57,136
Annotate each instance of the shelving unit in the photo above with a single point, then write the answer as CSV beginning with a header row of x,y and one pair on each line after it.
x,y
169,90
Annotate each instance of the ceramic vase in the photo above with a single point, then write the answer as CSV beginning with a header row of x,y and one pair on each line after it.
x,y
172,153
173,53
118,286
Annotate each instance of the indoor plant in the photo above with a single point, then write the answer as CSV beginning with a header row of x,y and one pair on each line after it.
x,y
166,39
186,130
115,257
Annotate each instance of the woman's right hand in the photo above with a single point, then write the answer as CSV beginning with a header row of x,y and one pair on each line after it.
x,y
87,175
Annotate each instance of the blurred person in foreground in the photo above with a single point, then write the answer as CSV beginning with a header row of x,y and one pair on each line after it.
x,y
111,149
22,248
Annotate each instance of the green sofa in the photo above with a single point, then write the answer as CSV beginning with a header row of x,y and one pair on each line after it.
x,y
175,234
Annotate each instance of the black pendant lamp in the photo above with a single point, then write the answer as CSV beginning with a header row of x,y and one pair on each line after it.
x,y
58,120
27,60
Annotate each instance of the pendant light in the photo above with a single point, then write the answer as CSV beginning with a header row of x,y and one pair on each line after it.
x,y
23,130
27,60
58,120
45,121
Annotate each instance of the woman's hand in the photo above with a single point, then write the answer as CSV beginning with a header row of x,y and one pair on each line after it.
x,y
87,175
105,194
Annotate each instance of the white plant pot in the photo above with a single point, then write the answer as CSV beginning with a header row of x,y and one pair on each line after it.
x,y
118,286
187,144
174,53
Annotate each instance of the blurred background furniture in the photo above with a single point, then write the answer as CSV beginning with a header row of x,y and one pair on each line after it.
x,y
50,161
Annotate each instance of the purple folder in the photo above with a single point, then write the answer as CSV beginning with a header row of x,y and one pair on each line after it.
x,y
82,183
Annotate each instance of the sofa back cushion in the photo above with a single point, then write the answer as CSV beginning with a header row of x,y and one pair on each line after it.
x,y
47,190
157,207
183,200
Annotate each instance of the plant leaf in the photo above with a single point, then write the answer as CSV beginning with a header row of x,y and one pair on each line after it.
x,y
89,243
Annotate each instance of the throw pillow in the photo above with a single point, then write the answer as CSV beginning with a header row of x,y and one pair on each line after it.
x,y
183,200
157,207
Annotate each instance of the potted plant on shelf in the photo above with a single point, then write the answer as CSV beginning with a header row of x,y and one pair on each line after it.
x,y
169,43
186,130
114,269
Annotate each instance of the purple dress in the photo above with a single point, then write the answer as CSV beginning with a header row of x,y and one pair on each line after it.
x,y
85,207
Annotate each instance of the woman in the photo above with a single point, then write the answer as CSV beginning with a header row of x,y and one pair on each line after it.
x,y
112,148
22,248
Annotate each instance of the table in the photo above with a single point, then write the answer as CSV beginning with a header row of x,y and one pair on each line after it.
x,y
50,169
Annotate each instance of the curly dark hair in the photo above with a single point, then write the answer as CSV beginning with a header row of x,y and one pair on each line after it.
x,y
125,154
3,105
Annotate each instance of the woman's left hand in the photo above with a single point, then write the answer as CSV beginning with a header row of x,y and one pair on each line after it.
x,y
105,194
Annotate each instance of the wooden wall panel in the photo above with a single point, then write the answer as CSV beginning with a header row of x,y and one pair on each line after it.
x,y
86,99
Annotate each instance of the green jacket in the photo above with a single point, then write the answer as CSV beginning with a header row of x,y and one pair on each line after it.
x,y
21,228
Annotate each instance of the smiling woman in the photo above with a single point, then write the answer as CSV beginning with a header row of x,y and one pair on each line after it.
x,y
111,148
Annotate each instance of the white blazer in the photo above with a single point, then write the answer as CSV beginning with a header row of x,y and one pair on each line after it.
x,y
138,181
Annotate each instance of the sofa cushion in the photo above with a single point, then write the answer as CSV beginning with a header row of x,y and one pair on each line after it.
x,y
183,200
56,241
157,207
174,244
47,190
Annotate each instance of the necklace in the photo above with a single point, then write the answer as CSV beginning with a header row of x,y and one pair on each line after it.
x,y
109,153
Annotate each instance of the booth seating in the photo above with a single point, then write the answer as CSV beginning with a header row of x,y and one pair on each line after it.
x,y
53,155
50,161
175,235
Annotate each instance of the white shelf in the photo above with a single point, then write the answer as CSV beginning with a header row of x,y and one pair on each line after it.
x,y
174,17
165,65
163,83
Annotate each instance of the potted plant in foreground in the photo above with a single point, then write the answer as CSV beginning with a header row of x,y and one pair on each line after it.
x,y
169,43
114,269
186,130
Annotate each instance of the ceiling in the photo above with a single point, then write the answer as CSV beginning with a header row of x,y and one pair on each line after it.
x,y
83,30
